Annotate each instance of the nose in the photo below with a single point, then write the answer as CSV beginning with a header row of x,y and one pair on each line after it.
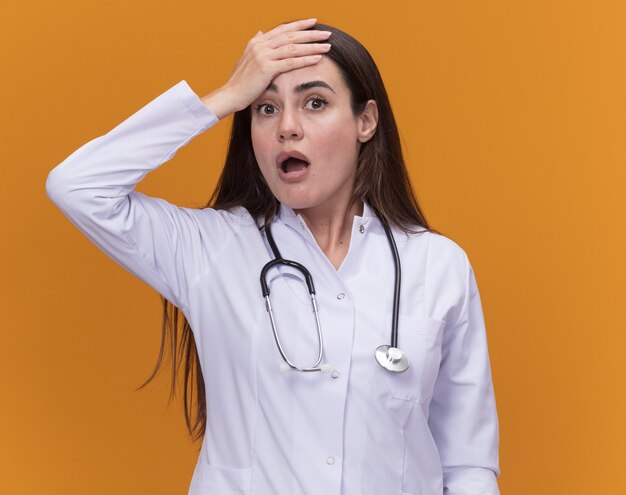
x,y
289,126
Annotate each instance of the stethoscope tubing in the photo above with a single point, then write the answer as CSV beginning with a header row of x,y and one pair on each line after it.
x,y
279,260
397,284
388,356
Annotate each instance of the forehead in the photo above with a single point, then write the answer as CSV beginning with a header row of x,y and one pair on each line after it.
x,y
325,70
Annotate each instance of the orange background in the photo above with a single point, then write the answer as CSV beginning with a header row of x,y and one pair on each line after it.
x,y
513,115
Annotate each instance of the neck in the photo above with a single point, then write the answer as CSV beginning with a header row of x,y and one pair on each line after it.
x,y
331,225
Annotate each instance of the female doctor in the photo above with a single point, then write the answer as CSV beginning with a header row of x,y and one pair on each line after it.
x,y
369,373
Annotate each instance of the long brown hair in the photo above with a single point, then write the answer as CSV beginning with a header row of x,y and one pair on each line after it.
x,y
381,180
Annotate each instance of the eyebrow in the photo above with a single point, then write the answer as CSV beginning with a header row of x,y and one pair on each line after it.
x,y
303,87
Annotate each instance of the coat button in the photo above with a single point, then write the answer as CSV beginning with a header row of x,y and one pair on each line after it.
x,y
341,295
330,461
335,374
361,229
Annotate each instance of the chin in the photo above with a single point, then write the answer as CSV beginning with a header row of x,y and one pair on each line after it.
x,y
298,200
298,204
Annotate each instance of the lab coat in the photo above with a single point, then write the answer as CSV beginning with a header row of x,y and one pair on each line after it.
x,y
354,430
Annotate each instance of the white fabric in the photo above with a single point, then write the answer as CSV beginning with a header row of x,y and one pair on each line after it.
x,y
358,430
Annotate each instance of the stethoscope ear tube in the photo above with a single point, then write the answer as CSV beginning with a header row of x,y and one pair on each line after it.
x,y
279,260
315,366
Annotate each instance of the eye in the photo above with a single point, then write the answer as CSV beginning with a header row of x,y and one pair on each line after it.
x,y
266,109
316,103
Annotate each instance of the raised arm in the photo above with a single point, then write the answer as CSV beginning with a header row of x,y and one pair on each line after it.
x,y
165,245
94,187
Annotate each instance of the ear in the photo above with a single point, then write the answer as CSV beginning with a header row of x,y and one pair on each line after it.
x,y
367,121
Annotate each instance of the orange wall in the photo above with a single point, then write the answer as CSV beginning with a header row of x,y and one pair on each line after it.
x,y
513,115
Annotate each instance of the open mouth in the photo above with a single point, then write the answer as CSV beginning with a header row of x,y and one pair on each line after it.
x,y
292,164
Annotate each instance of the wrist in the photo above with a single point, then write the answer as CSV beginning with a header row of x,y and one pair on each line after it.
x,y
221,102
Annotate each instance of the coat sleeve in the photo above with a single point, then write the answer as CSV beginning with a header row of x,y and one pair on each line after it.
x,y
463,417
158,242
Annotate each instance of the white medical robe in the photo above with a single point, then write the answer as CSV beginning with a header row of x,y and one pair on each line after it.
x,y
354,430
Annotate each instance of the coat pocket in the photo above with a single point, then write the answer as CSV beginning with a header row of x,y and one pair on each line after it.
x,y
420,338
209,479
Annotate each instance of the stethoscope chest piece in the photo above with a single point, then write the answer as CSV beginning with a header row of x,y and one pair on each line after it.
x,y
392,359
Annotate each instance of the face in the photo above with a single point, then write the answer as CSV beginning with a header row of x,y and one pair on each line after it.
x,y
305,137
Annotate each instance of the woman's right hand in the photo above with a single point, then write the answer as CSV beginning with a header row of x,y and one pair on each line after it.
x,y
284,48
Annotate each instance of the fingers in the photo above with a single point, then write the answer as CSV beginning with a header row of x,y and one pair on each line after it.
x,y
289,46
297,50
289,64
297,37
290,26
286,47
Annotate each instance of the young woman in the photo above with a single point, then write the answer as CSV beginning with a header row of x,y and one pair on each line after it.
x,y
385,387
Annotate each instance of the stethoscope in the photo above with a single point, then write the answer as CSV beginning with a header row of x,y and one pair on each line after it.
x,y
388,356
